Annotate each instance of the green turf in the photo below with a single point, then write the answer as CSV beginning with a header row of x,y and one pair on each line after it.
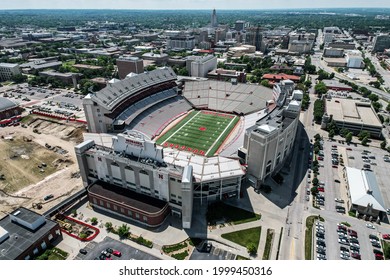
x,y
244,237
188,132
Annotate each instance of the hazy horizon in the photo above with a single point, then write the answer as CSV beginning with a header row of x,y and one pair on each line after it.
x,y
187,4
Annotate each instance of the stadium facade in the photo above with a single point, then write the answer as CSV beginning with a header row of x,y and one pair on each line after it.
x,y
128,174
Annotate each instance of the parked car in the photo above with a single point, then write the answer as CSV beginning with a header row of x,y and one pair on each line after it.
x,y
339,200
356,256
386,236
83,251
117,253
371,226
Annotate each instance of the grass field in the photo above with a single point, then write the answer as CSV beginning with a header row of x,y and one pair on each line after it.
x,y
244,237
200,132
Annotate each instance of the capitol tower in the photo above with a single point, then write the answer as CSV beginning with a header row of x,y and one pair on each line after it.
x,y
214,22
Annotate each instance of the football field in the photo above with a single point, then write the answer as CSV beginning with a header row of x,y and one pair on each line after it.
x,y
200,132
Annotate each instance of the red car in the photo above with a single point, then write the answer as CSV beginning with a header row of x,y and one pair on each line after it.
x,y
320,158
334,146
356,256
349,149
116,253
386,236
321,189
378,257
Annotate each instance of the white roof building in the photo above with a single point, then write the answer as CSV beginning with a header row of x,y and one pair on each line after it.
x,y
364,189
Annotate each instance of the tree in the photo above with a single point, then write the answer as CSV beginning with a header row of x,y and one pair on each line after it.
x,y
331,134
123,231
94,220
365,140
265,83
388,107
108,226
316,150
315,181
363,134
383,144
320,89
251,248
314,191
74,212
348,137
19,78
317,137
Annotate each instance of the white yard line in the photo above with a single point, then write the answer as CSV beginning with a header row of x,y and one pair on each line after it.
x,y
220,136
166,140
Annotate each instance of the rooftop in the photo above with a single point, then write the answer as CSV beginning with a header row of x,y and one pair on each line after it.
x,y
364,188
352,111
6,104
21,237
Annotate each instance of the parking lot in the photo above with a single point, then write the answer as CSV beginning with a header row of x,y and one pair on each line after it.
x,y
56,101
215,253
94,250
357,240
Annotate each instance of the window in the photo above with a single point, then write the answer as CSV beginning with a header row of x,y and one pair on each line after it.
x,y
101,202
58,232
115,208
27,257
43,245
278,159
173,195
122,210
50,236
35,251
129,213
94,201
172,179
108,205
136,215
143,172
145,219
160,176
268,168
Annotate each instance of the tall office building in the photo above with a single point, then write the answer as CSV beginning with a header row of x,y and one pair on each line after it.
x,y
127,65
239,25
253,37
381,42
214,22
8,70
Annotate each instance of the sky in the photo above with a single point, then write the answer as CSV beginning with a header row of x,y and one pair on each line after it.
x,y
189,4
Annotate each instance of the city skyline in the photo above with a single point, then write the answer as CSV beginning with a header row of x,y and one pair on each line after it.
x,y
187,4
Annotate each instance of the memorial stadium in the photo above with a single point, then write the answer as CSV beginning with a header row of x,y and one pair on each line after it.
x,y
158,144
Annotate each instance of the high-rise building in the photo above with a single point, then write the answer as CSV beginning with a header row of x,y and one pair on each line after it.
x,y
214,22
253,37
199,66
381,42
127,65
239,25
181,41
330,33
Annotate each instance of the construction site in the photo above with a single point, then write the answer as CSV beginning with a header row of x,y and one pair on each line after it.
x,y
38,167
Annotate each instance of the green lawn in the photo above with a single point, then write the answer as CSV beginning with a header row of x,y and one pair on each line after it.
x,y
220,211
309,236
244,237
200,132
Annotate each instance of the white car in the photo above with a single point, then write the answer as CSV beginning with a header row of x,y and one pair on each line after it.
x,y
371,226
339,200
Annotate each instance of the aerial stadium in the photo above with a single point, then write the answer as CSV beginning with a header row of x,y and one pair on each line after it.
x,y
157,144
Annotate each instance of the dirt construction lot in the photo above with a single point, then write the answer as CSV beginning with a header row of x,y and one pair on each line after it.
x,y
37,161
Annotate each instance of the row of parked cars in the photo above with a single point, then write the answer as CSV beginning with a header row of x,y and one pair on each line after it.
x,y
320,241
348,239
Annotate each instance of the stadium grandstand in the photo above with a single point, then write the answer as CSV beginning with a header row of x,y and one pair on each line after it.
x,y
108,109
240,99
